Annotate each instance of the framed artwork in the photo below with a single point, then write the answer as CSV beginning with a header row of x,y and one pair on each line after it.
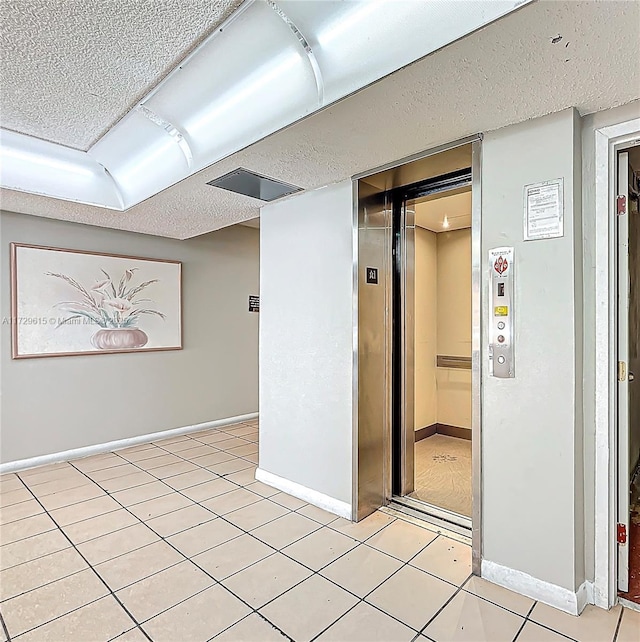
x,y
70,302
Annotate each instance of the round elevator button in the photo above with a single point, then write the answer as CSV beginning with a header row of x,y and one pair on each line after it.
x,y
500,339
501,359
500,325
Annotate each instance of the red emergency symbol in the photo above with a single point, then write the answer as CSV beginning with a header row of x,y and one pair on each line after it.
x,y
501,265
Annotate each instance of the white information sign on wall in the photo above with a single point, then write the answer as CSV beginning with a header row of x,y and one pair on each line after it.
x,y
544,210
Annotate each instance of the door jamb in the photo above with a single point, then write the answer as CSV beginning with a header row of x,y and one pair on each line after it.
x,y
608,141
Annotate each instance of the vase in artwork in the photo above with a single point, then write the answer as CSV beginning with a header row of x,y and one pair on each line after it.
x,y
119,339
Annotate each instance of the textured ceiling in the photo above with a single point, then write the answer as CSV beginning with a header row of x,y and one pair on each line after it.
x,y
507,72
70,69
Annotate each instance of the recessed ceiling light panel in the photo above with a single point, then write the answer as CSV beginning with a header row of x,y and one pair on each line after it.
x,y
242,181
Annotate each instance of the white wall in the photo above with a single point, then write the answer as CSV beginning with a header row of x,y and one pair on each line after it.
x,y
58,403
426,318
306,344
532,424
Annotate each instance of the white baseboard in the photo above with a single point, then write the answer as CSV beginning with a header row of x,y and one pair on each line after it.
x,y
85,451
551,594
335,506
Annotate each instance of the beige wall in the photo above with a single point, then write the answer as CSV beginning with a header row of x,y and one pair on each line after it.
x,y
442,326
426,317
59,403
454,326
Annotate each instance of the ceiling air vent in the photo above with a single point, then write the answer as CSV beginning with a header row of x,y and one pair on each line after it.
x,y
250,184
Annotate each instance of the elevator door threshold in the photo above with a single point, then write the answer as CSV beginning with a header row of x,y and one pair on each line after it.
x,y
432,514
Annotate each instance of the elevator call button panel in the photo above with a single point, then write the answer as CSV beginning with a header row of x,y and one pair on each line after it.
x,y
501,331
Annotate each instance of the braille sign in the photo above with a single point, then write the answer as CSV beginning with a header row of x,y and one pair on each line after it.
x,y
372,275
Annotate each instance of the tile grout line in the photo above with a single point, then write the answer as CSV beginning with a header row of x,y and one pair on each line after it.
x,y
99,578
615,635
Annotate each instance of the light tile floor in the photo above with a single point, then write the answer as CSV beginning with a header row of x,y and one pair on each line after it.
x,y
175,541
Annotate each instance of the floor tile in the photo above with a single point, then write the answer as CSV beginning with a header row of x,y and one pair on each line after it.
x,y
100,525
72,496
230,442
309,608
203,492
533,632
447,559
593,625
629,630
9,482
32,609
159,506
98,462
320,548
143,493
367,624
232,556
163,590
468,618
60,485
38,572
240,431
134,449
140,456
19,511
251,458
198,450
138,564
198,618
193,478
117,543
133,635
180,520
412,596
251,629
501,596
262,582
86,510
126,481
262,489
27,527
361,530
178,446
33,547
362,570
212,459
176,439
212,437
232,469
100,620
288,501
15,497
246,449
203,537
256,514
165,459
164,472
401,539
233,500
285,530
116,471
50,471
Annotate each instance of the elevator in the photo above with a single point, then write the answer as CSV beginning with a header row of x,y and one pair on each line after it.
x,y
417,278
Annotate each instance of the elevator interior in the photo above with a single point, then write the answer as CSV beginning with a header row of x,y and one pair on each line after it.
x,y
418,328
432,344
442,349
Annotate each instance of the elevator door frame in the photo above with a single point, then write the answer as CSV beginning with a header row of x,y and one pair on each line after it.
x,y
403,348
371,476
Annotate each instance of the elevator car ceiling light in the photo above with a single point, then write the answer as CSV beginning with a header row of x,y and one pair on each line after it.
x,y
268,66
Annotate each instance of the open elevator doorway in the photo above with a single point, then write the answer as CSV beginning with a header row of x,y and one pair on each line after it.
x,y
432,462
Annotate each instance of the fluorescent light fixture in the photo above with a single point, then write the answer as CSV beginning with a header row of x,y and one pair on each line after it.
x,y
272,63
